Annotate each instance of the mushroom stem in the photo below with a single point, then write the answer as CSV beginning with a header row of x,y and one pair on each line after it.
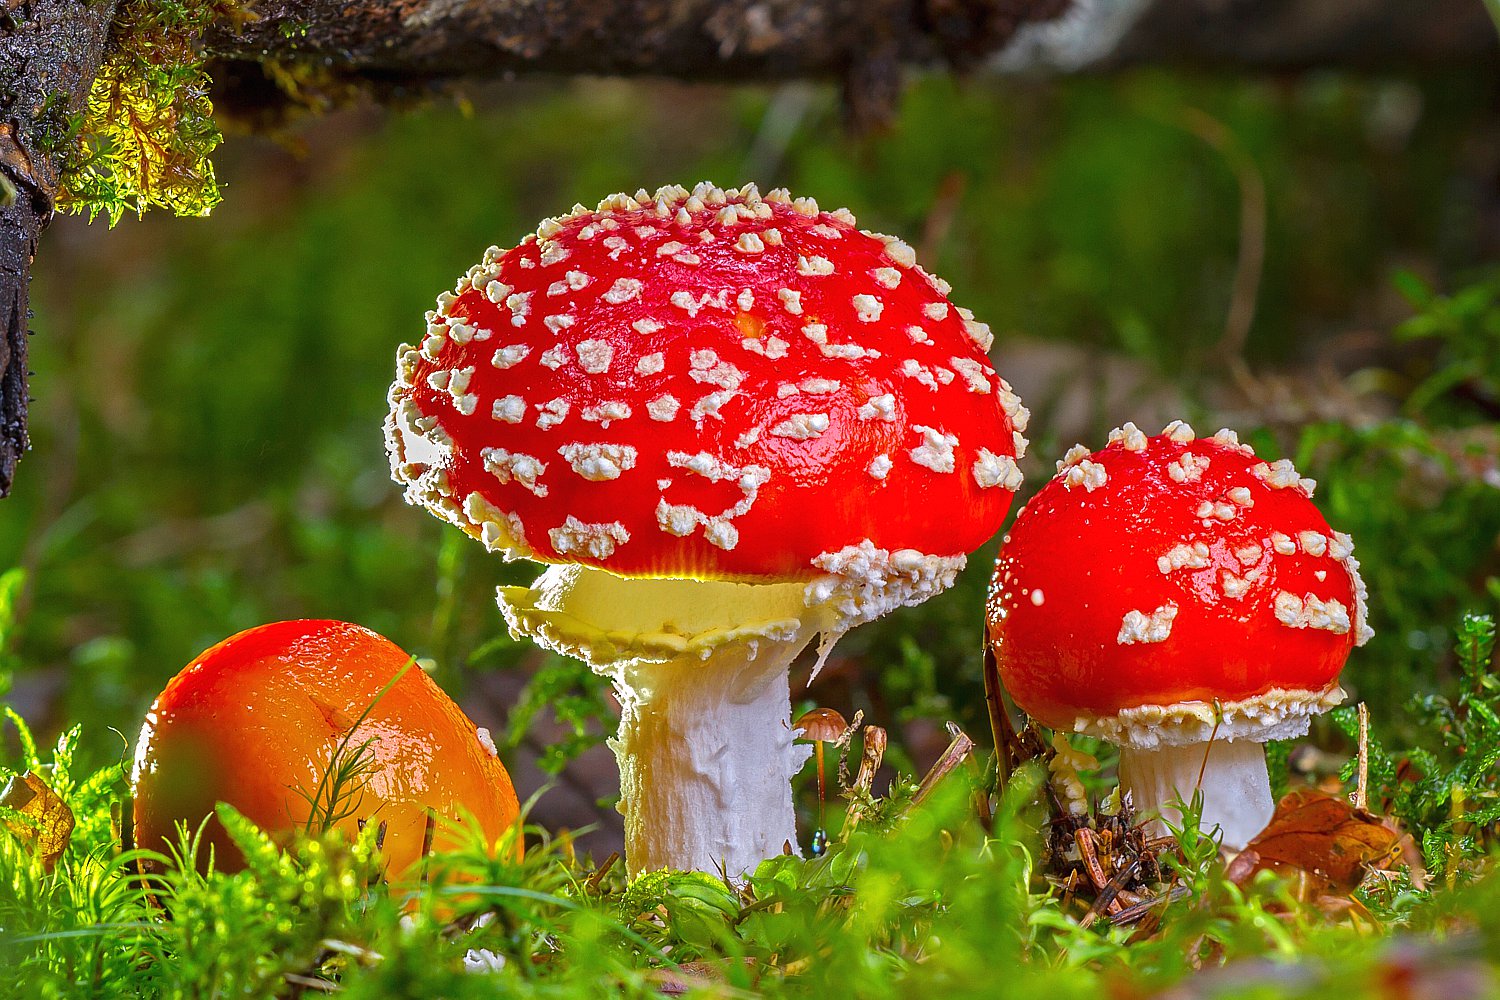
x,y
705,742
1231,773
821,786
706,758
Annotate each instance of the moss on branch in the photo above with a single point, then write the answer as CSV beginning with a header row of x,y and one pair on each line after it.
x,y
144,136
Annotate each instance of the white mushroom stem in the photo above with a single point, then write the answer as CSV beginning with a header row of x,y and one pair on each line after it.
x,y
705,742
706,758
1231,774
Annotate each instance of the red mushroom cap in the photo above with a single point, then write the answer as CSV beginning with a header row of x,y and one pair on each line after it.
x,y
1172,580
705,384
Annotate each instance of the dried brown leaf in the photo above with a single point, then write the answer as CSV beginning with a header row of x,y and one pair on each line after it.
x,y
707,977
37,817
1322,840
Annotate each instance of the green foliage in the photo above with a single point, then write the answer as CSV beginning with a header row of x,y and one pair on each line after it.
x,y
147,130
12,583
1460,379
691,912
913,682
1447,789
1418,490
574,697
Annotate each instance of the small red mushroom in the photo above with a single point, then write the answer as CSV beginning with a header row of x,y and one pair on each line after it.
x,y
732,423
1185,600
257,720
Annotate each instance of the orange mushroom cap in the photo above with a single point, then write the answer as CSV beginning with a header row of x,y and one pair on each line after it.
x,y
820,725
257,719
1166,587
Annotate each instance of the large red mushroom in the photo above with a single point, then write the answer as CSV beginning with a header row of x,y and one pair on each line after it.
x,y
731,423
1185,600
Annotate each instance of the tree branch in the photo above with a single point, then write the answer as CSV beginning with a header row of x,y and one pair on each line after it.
x,y
50,51
405,43
691,39
1292,35
398,46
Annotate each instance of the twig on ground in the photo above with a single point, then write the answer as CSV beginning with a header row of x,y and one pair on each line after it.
x,y
1362,785
598,877
957,752
874,739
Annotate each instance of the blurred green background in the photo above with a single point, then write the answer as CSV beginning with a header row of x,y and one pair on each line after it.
x,y
1303,259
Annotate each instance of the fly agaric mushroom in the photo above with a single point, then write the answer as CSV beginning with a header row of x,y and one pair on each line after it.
x,y
732,424
1185,600
257,721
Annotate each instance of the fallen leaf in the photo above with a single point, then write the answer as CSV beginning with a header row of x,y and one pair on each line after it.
x,y
37,817
705,977
1322,840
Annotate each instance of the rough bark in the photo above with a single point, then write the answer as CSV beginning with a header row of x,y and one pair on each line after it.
x,y
395,49
696,39
1257,35
1306,34
20,224
396,45
50,51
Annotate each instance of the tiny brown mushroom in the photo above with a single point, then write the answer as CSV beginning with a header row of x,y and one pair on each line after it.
x,y
820,725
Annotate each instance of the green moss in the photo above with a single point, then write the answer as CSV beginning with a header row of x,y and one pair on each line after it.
x,y
145,135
